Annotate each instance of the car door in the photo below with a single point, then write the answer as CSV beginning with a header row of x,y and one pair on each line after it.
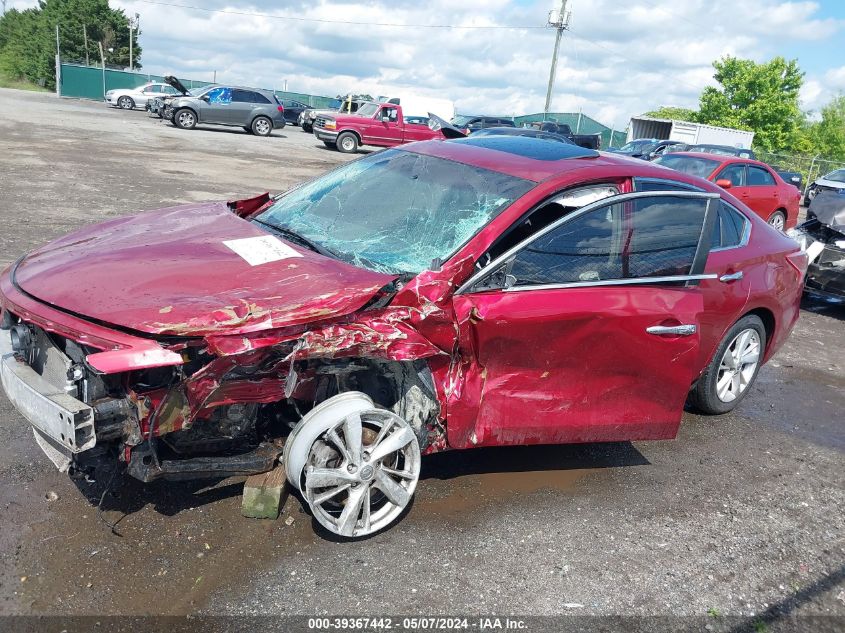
x,y
587,330
763,191
385,132
214,106
240,111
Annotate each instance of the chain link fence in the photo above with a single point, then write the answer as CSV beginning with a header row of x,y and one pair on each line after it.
x,y
810,167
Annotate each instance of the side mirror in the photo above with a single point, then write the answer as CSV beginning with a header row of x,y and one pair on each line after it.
x,y
724,183
204,98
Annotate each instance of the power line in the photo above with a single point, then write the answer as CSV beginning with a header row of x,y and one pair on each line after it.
x,y
500,27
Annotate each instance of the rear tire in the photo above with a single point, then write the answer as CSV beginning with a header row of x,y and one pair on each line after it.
x,y
262,126
347,143
733,369
185,119
778,220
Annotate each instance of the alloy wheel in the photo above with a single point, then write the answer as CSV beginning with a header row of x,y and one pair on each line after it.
x,y
262,127
186,119
362,472
777,221
738,365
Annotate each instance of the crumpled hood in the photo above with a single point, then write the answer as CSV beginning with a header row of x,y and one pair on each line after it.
x,y
170,272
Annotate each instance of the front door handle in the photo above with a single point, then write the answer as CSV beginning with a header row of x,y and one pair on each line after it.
x,y
732,277
674,330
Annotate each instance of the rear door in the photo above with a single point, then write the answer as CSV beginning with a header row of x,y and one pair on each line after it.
x,y
588,330
241,109
763,190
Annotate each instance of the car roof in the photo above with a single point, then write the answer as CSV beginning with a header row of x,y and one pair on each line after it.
x,y
540,159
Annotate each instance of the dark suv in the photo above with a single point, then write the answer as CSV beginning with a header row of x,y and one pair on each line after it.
x,y
469,124
256,111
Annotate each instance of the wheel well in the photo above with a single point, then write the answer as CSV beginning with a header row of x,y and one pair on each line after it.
x,y
352,132
258,116
768,319
406,388
779,210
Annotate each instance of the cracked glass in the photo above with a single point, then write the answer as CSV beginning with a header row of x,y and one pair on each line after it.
x,y
395,211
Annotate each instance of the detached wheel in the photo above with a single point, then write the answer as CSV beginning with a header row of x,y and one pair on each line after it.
x,y
307,127
126,103
347,143
357,466
778,220
185,119
729,376
262,126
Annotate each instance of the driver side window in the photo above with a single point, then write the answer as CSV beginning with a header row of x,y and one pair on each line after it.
x,y
647,237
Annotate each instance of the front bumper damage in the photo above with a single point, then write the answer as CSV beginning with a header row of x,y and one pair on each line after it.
x,y
825,250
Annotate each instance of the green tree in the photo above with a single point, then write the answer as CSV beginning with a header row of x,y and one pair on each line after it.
x,y
827,136
28,38
673,112
759,97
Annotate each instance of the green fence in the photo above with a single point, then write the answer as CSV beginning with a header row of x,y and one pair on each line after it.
x,y
91,82
580,124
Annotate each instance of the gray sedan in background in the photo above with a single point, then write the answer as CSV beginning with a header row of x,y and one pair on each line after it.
x,y
256,111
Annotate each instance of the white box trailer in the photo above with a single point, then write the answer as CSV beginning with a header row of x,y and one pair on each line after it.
x,y
688,132
413,105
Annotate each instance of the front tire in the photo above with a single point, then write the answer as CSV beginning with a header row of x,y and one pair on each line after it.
x,y
347,143
356,465
126,103
733,369
185,119
262,126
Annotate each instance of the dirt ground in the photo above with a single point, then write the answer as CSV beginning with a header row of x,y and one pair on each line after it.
x,y
741,515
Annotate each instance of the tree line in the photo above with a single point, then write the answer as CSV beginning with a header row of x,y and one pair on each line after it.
x,y
764,98
28,38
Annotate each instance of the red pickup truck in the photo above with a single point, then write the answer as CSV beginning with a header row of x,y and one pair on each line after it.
x,y
380,124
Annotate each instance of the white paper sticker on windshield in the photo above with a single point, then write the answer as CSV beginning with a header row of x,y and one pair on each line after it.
x,y
262,250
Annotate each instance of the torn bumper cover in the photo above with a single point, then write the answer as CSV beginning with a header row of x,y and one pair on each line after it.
x,y
63,425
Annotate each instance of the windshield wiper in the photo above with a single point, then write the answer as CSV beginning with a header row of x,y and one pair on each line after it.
x,y
293,236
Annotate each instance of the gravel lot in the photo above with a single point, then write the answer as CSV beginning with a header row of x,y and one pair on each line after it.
x,y
742,515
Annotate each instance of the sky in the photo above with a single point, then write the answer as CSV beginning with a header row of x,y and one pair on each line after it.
x,y
619,58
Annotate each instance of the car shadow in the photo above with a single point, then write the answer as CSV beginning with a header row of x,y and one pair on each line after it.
x,y
123,494
825,306
515,459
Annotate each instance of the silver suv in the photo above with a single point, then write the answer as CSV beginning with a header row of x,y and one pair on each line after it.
x,y
256,111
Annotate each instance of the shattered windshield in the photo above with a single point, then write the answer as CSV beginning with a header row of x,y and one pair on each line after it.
x,y
395,211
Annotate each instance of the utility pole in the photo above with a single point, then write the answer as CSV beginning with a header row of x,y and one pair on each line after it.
x,y
85,35
133,24
559,21
4,7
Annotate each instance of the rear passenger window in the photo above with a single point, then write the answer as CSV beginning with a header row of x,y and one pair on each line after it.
x,y
729,227
635,239
242,96
759,177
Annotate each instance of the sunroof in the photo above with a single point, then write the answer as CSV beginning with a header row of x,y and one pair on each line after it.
x,y
529,147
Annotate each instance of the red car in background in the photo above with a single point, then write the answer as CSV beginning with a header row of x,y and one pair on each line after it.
x,y
491,291
755,184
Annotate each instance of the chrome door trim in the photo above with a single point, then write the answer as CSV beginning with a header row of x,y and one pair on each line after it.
x,y
612,282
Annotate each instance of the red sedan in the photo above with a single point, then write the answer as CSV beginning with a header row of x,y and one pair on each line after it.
x,y
487,291
755,184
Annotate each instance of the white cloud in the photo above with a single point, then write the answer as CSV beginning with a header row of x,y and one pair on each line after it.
x,y
619,59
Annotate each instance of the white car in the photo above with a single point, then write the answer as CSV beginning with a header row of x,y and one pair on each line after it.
x,y
129,98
